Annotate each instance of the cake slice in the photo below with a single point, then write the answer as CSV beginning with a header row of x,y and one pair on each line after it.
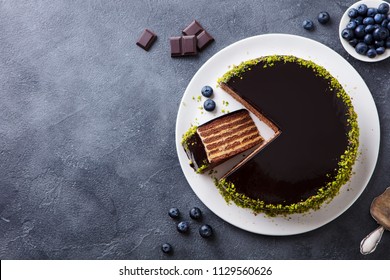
x,y
220,139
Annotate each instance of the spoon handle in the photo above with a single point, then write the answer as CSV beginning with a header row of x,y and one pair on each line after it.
x,y
369,243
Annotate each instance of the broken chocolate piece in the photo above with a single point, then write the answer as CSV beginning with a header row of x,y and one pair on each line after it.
x,y
147,39
380,209
204,39
194,28
183,46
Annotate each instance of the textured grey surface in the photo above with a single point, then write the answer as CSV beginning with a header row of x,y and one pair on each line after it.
x,y
88,166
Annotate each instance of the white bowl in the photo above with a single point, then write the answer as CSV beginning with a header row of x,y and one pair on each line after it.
x,y
343,23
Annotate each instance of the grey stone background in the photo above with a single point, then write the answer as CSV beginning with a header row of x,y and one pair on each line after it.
x,y
88,166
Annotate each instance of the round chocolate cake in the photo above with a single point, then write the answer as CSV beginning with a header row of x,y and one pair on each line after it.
x,y
313,156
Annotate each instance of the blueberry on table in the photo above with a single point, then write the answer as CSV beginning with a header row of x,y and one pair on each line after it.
x,y
383,8
183,227
371,12
195,213
207,91
308,24
362,9
323,17
347,34
353,13
166,248
359,31
209,105
361,48
205,231
371,53
174,213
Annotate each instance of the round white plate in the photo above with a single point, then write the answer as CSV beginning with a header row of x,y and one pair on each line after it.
x,y
343,23
283,44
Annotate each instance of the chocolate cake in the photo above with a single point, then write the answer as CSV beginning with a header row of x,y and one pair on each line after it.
x,y
313,157
218,140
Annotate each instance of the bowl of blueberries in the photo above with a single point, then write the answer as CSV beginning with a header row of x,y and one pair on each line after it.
x,y
365,30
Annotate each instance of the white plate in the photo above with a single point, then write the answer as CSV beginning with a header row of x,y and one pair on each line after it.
x,y
343,23
283,44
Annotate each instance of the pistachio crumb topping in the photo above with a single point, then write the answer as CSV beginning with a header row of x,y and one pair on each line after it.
x,y
344,170
186,136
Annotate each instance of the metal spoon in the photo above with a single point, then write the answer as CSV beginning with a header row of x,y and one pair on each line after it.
x,y
369,243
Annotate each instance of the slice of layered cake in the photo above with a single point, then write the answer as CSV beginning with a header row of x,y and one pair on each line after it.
x,y
220,139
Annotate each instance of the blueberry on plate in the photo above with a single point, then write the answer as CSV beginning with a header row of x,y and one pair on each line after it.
x,y
352,24
347,34
379,43
371,12
308,24
388,25
369,28
368,39
385,23
166,248
206,231
183,227
368,20
207,91
359,20
387,44
323,17
383,8
209,105
353,13
362,9
361,48
381,33
371,53
353,42
380,50
195,213
174,213
378,18
359,31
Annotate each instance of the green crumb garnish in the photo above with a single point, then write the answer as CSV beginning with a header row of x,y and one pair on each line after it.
x,y
223,111
186,136
199,98
193,98
344,170
202,168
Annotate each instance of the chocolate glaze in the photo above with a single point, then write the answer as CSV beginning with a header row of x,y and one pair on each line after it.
x,y
196,152
314,133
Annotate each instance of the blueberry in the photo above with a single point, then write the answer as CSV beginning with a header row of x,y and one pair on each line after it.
x,y
369,28
195,213
368,20
205,231
323,17
385,23
209,105
380,43
308,24
183,227
383,8
361,48
379,18
381,33
353,13
388,17
371,53
353,42
380,50
207,91
347,34
362,9
166,248
174,213
387,44
359,20
351,25
359,31
368,39
388,25
371,12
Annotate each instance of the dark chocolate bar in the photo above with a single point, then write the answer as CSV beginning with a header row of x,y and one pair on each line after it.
x,y
203,40
147,39
194,28
183,46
